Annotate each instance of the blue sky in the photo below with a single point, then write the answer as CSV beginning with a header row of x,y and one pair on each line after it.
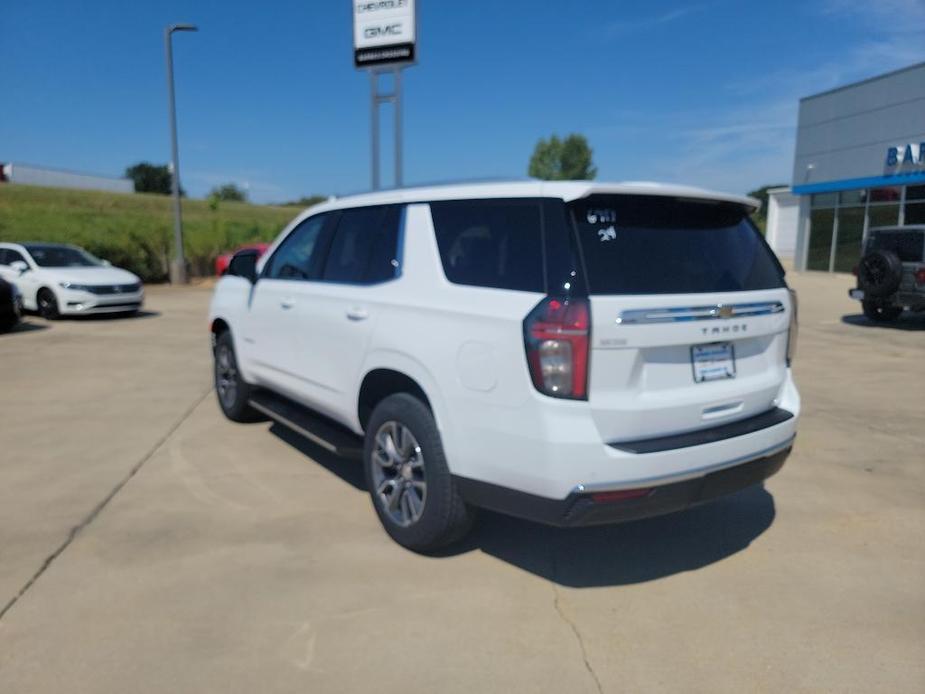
x,y
701,92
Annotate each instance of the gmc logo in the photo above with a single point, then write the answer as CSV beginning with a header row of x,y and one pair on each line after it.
x,y
376,32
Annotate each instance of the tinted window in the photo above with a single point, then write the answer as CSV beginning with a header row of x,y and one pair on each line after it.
x,y
296,257
11,257
908,245
365,245
635,244
61,256
915,214
491,243
4,258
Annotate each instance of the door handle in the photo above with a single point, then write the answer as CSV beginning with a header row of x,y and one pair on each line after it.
x,y
287,304
357,313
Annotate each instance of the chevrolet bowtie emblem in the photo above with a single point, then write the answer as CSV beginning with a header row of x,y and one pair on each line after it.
x,y
724,311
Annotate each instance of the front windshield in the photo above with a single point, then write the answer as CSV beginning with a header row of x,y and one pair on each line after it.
x,y
61,256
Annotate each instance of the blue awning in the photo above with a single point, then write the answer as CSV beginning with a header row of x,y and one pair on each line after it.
x,y
901,179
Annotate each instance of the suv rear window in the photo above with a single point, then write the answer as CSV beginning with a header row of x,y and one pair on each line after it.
x,y
646,244
491,243
908,245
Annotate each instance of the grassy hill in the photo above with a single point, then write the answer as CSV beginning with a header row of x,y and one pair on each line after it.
x,y
134,231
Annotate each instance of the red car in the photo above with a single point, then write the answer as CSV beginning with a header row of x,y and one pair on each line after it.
x,y
222,262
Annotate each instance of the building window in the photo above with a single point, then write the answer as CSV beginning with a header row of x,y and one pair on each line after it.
x,y
848,238
885,195
915,205
839,222
824,200
882,216
852,197
821,227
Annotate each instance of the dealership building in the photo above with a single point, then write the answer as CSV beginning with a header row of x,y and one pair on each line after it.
x,y
859,164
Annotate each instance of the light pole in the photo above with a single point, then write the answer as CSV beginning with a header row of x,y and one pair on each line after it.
x,y
178,266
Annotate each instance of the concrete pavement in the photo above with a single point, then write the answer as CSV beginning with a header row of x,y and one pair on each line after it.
x,y
148,545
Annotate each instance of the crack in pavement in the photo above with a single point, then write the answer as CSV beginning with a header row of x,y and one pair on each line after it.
x,y
77,529
569,622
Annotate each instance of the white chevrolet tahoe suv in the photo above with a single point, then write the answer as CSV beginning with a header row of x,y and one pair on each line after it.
x,y
573,353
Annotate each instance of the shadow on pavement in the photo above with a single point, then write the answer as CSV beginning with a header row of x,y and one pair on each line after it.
x,y
138,315
907,321
25,327
600,556
350,471
627,553
100,317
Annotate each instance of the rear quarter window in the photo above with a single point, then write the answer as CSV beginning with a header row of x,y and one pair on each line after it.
x,y
491,243
638,244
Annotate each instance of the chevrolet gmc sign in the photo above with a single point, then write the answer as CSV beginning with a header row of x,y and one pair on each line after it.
x,y
383,32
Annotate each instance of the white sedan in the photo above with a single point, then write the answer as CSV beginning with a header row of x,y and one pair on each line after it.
x,y
58,279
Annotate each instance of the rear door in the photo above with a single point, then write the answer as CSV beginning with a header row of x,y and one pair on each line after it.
x,y
689,314
336,314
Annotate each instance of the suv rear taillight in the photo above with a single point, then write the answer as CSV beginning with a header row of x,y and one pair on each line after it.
x,y
920,276
794,328
556,337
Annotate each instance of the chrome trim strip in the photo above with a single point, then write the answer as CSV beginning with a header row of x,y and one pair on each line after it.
x,y
683,476
693,313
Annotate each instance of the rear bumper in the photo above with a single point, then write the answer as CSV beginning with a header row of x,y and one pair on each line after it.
x,y
581,508
902,298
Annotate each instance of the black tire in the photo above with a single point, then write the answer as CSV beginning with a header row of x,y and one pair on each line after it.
x,y
444,517
880,273
880,313
232,390
48,304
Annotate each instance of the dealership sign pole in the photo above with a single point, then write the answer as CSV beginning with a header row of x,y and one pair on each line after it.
x,y
384,40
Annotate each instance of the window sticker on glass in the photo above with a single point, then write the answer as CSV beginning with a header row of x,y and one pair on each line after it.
x,y
601,216
608,234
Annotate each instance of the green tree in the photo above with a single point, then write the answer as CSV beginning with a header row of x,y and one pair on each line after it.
x,y
229,192
306,201
570,159
150,178
762,194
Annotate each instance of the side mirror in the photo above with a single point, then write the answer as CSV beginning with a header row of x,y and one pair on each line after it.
x,y
244,264
107,263
20,266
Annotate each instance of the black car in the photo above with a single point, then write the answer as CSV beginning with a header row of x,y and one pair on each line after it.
x,y
891,274
10,305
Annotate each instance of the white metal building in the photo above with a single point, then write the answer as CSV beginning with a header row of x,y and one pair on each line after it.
x,y
783,221
859,164
54,178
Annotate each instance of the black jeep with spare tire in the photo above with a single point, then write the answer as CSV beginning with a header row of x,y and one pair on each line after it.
x,y
891,274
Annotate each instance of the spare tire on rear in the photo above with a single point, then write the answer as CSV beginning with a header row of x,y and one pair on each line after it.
x,y
880,273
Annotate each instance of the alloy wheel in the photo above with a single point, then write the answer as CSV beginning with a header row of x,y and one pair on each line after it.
x,y
226,376
398,473
47,305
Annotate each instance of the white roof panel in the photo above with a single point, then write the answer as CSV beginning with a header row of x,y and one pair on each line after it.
x,y
566,190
